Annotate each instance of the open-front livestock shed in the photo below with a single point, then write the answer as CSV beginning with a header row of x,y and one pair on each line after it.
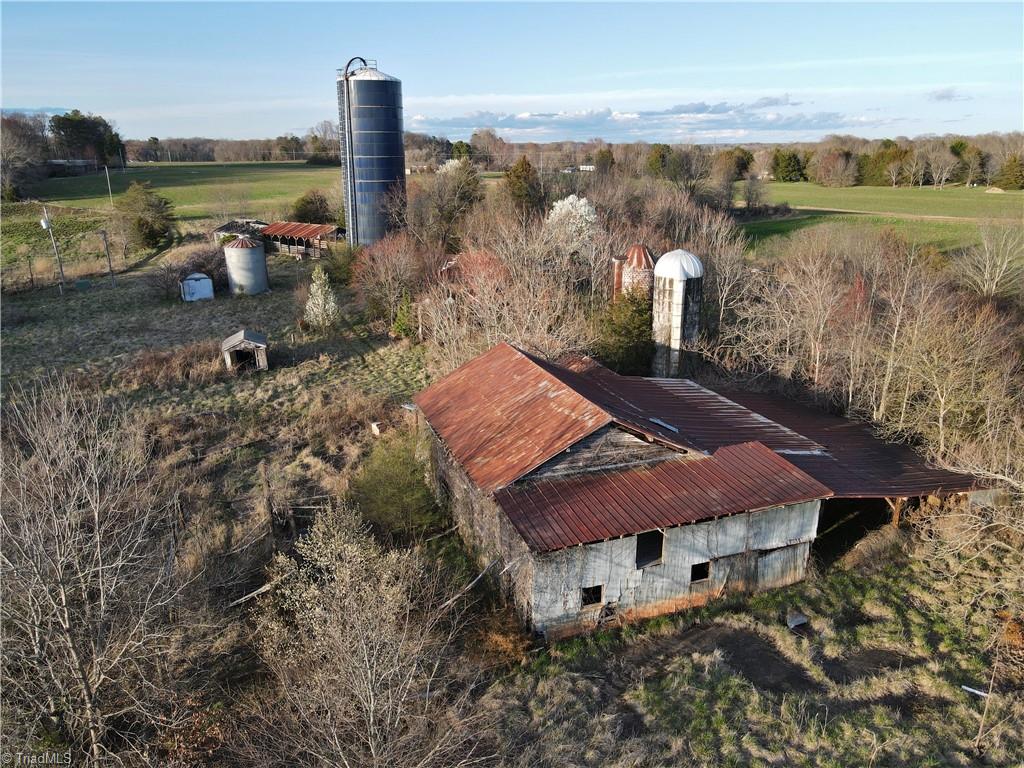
x,y
606,497
301,240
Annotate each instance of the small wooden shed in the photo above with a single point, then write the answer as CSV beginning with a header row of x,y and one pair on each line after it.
x,y
245,349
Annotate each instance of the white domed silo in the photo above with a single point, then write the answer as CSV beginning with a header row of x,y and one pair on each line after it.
x,y
678,285
247,266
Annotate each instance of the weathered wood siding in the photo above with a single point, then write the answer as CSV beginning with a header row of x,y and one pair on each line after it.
x,y
484,528
747,552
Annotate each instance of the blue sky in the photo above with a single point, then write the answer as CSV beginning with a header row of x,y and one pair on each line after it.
x,y
622,72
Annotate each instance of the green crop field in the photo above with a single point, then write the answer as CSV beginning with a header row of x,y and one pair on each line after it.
x,y
954,202
198,190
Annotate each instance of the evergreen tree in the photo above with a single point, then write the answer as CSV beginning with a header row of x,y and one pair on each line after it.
x,y
1011,175
404,325
787,166
626,341
313,208
321,306
143,216
604,160
657,159
523,185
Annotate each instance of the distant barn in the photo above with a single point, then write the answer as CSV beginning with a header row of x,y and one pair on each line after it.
x,y
238,228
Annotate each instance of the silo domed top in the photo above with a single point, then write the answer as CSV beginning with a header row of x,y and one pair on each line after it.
x,y
243,242
640,257
679,265
367,73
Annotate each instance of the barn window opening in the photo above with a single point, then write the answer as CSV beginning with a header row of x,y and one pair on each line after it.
x,y
649,547
592,595
700,572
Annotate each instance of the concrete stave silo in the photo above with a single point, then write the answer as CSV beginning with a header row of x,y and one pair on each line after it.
x,y
372,148
678,287
247,266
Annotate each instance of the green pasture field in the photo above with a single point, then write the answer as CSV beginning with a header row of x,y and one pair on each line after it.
x,y
945,235
946,218
955,202
198,190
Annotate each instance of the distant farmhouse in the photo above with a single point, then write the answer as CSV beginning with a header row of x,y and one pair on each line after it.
x,y
605,497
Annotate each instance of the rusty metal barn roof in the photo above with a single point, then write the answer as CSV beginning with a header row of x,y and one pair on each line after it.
x,y
501,415
507,412
595,506
704,420
857,464
299,230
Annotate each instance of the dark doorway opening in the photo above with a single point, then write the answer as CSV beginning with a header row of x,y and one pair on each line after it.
x,y
844,522
244,359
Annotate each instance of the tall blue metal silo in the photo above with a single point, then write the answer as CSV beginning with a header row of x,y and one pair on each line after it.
x,y
372,150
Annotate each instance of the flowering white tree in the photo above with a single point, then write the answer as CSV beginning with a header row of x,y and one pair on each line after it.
x,y
321,306
573,222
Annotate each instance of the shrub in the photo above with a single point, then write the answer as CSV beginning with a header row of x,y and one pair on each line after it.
x,y
211,262
625,343
390,491
312,208
321,306
404,325
338,263
143,217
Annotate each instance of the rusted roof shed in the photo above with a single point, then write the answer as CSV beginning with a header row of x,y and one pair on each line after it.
x,y
595,506
856,464
300,231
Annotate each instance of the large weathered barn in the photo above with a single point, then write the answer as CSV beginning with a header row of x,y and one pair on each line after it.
x,y
599,496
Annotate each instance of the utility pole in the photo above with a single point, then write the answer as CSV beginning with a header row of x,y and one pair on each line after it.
x,y
45,223
110,194
106,247
121,155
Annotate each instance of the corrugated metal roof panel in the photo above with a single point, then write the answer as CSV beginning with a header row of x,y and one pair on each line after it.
x,y
243,242
501,415
299,230
700,417
856,463
554,514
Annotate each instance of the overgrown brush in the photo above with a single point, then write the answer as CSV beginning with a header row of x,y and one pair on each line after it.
x,y
196,364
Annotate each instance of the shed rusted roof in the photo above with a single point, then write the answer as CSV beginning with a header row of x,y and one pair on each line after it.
x,y
856,464
841,453
299,230
639,256
595,506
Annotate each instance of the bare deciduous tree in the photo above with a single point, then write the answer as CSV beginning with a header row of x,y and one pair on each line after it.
x,y
88,572
360,642
941,163
995,267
